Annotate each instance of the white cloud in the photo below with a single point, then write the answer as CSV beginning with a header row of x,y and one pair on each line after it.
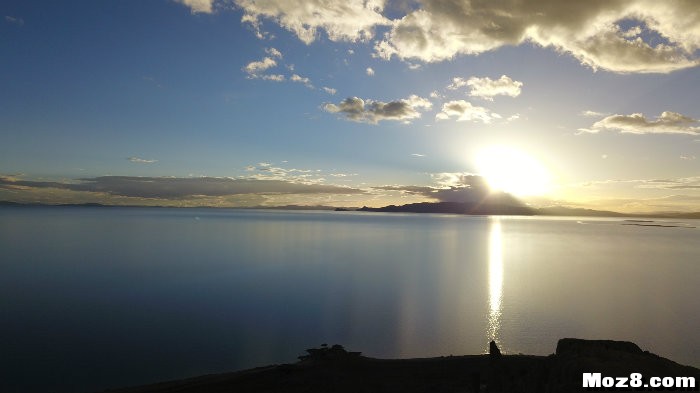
x,y
273,52
329,90
255,67
589,31
465,111
589,113
417,155
370,111
370,71
300,79
273,77
141,160
487,88
198,6
351,20
637,123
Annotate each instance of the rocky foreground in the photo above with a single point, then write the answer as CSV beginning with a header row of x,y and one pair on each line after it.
x,y
333,369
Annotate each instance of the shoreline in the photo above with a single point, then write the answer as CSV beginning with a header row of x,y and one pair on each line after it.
x,y
334,369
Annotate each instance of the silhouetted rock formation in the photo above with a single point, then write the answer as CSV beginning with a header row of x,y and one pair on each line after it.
x,y
493,350
456,208
336,370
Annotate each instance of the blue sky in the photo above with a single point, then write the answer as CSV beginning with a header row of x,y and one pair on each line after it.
x,y
248,102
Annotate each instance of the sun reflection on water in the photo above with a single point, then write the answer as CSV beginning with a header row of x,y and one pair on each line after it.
x,y
495,278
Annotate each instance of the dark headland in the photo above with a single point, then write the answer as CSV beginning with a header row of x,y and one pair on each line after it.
x,y
333,369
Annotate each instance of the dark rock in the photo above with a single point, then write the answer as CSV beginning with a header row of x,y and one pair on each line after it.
x,y
493,349
595,348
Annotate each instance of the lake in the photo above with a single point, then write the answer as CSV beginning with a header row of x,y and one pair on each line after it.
x,y
93,298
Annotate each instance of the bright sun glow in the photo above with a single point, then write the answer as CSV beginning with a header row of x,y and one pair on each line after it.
x,y
512,171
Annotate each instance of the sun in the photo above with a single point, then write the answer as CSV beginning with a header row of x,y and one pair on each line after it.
x,y
513,171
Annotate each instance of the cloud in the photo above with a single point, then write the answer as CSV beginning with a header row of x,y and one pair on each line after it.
x,y
488,88
417,155
684,183
174,188
141,160
254,68
273,52
329,90
14,21
637,123
198,6
273,77
370,111
352,20
589,113
456,187
465,111
370,71
587,30
300,79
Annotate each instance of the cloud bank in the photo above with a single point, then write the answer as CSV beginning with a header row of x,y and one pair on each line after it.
x,y
588,30
175,188
626,36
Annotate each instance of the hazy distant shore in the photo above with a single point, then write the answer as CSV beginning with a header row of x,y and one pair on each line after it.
x,y
422,207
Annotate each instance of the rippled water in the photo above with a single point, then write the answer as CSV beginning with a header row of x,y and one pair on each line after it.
x,y
92,298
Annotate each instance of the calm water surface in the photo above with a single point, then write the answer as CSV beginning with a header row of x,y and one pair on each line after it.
x,y
92,298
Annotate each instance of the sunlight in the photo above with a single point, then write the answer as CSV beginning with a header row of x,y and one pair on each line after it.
x,y
512,171
495,278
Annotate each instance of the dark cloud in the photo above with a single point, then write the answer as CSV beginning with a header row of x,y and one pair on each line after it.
x,y
174,188
465,188
370,111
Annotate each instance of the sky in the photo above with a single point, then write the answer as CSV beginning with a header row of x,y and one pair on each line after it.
x,y
348,103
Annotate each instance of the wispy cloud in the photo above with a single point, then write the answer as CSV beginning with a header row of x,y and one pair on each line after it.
x,y
141,160
14,20
589,113
369,71
637,123
370,111
329,90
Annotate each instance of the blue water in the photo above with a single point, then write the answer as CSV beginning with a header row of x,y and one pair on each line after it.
x,y
93,298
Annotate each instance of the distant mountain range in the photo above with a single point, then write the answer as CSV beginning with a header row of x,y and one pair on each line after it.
x,y
501,206
488,209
